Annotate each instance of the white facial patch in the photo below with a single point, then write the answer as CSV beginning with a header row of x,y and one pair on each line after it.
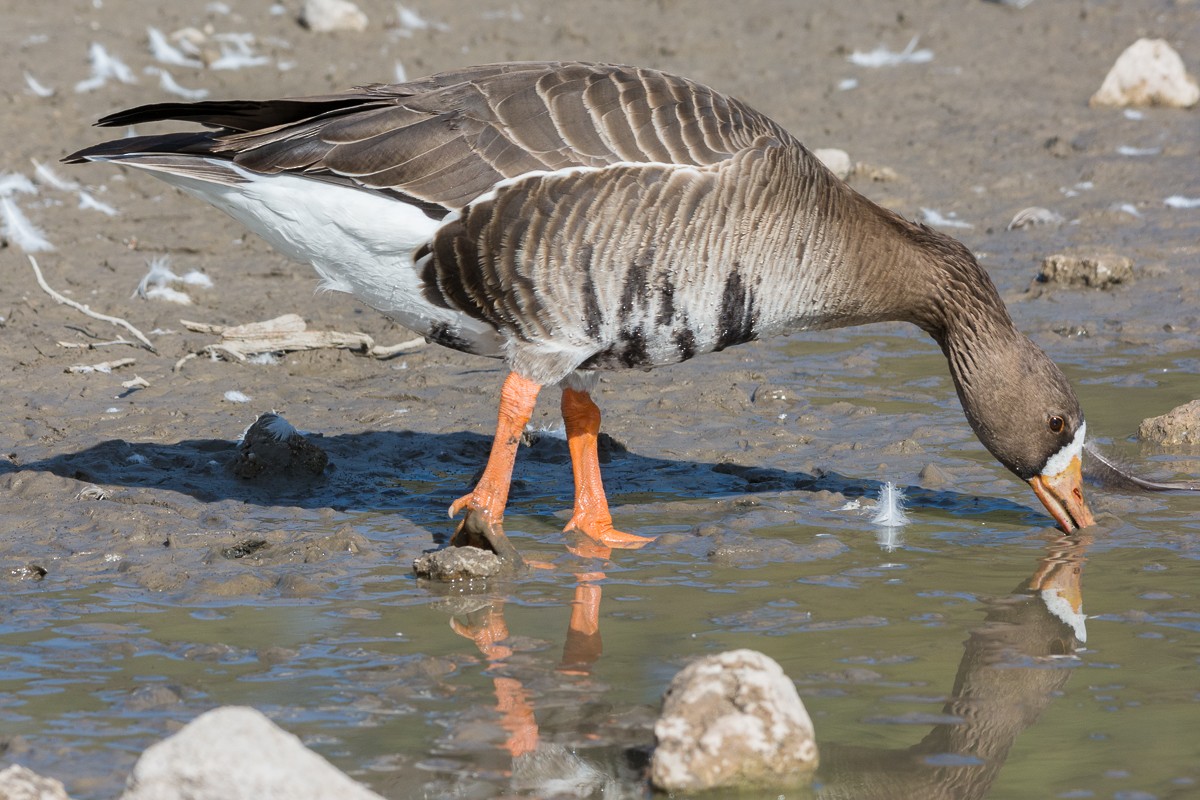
x,y
1071,450
1061,607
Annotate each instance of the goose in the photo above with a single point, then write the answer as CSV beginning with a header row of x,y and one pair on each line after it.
x,y
571,218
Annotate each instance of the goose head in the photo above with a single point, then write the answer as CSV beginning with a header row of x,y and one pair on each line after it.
x,y
1024,411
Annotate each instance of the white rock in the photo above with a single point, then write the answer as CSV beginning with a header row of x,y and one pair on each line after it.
x,y
236,753
323,16
837,161
19,783
728,720
1148,73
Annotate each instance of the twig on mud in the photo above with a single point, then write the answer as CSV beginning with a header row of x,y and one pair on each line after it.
x,y
103,366
85,310
96,345
287,334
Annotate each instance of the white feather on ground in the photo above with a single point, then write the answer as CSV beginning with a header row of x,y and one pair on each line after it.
x,y
167,53
1179,201
237,52
160,274
86,201
104,66
11,182
890,512
167,83
36,87
882,57
156,283
234,396
280,428
19,230
412,21
49,177
931,216
198,278
168,294
1126,150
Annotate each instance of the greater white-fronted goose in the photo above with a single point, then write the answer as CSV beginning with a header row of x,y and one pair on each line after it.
x,y
573,217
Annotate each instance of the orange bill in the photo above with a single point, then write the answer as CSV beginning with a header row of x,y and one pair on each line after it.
x,y
1062,495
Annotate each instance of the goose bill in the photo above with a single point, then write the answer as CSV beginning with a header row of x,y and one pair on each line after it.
x,y
1062,495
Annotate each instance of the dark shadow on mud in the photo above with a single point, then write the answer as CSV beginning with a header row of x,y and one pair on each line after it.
x,y
420,474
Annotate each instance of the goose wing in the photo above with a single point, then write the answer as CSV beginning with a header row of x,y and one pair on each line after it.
x,y
444,140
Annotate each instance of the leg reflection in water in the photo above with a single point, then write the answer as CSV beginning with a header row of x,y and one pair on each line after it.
x,y
486,627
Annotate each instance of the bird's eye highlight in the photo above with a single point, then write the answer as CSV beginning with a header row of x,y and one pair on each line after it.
x,y
1057,424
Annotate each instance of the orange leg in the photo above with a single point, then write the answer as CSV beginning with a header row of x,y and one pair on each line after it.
x,y
591,516
485,505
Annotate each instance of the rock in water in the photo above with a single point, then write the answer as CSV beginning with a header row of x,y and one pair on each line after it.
x,y
458,564
1179,426
1148,73
19,783
236,753
732,719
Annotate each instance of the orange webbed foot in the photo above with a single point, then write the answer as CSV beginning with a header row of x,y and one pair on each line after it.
x,y
601,530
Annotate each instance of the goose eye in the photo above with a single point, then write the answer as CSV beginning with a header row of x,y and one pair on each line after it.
x,y
1056,424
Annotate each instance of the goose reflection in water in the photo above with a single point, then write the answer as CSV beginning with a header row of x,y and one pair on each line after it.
x,y
1012,667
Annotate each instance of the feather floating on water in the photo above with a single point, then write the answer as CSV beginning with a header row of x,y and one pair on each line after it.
x,y
890,512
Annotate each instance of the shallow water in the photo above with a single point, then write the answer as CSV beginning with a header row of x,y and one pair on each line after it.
x,y
422,690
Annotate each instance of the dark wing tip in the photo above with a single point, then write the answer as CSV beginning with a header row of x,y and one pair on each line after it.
x,y
193,143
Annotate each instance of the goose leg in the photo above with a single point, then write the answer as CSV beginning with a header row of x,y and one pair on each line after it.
x,y
485,504
591,517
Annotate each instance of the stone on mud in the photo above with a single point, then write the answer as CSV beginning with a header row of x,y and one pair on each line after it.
x,y
458,563
324,16
836,161
1179,426
1148,73
19,783
732,719
272,447
236,753
1096,271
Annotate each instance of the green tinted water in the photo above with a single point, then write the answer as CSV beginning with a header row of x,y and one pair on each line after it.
x,y
423,691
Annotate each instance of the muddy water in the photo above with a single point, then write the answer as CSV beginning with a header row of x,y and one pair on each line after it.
x,y
926,675
930,661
